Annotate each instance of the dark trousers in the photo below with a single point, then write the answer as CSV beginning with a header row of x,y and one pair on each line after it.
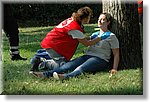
x,y
10,26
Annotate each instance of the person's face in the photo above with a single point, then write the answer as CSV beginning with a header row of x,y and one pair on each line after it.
x,y
102,21
86,20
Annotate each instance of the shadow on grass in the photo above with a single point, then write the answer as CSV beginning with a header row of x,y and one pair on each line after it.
x,y
30,39
18,71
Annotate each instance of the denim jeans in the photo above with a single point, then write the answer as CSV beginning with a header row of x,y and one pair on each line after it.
x,y
59,59
85,63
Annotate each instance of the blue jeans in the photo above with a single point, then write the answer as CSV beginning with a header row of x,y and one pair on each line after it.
x,y
57,58
85,63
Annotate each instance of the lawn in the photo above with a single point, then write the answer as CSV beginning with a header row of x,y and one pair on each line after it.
x,y
17,80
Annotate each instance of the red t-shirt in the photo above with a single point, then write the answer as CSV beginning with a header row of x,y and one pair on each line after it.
x,y
59,40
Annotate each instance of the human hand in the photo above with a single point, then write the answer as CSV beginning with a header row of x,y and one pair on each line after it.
x,y
113,71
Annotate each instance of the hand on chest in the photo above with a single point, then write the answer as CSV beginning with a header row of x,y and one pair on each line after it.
x,y
102,44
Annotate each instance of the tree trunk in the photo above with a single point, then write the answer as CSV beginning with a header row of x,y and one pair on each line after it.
x,y
125,26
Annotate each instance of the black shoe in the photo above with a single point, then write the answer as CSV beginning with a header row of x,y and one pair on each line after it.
x,y
17,57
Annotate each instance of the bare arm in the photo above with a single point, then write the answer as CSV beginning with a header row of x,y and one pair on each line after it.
x,y
76,34
86,42
116,60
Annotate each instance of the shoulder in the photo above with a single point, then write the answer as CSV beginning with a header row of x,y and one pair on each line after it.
x,y
113,36
76,34
95,33
74,25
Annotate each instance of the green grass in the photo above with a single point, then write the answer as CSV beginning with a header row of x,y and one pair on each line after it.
x,y
17,80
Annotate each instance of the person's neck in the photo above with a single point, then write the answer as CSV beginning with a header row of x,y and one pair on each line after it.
x,y
103,30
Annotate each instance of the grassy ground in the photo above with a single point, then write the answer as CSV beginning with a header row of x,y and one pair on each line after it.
x,y
18,81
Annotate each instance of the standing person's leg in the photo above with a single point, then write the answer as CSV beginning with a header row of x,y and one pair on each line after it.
x,y
93,64
11,30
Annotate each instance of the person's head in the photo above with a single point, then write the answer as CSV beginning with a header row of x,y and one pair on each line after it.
x,y
83,15
104,20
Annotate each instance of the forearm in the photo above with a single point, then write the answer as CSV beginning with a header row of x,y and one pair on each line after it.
x,y
116,62
86,42
94,41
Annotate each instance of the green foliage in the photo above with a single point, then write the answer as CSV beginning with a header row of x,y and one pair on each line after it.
x,y
50,14
18,81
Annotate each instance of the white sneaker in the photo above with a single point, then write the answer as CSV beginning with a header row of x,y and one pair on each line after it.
x,y
30,72
55,75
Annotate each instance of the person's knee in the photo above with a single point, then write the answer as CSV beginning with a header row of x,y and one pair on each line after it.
x,y
79,69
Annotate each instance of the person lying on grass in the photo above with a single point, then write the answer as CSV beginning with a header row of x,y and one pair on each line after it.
x,y
96,58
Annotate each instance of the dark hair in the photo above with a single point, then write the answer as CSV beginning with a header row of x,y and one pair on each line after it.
x,y
82,13
108,18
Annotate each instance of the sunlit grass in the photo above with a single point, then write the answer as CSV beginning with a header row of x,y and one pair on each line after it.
x,y
17,80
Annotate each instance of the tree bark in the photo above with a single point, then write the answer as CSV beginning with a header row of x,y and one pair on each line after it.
x,y
125,26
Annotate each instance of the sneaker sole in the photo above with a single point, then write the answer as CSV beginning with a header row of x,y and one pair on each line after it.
x,y
55,75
